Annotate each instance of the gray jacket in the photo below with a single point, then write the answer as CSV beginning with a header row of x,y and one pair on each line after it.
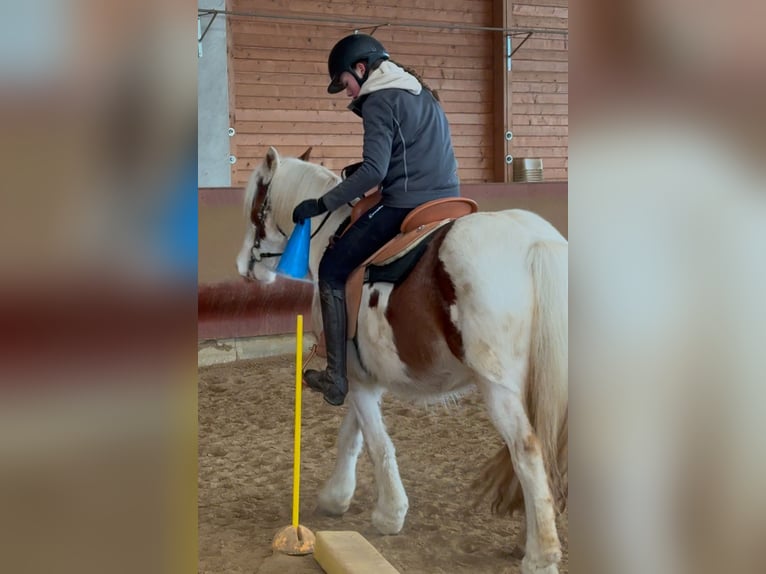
x,y
407,144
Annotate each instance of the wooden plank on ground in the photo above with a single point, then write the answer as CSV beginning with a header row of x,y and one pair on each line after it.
x,y
348,552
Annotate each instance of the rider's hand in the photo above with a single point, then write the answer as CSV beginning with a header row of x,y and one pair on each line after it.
x,y
307,209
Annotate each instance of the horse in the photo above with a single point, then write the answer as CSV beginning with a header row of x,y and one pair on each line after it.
x,y
484,307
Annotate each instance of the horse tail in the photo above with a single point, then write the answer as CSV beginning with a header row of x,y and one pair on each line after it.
x,y
546,392
547,388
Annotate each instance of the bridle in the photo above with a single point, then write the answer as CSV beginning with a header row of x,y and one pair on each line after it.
x,y
258,213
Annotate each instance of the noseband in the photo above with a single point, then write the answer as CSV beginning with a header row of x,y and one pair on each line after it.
x,y
258,213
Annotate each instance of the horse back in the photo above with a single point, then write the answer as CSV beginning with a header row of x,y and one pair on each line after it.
x,y
465,307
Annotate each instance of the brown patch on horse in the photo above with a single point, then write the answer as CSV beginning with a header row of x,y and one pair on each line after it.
x,y
419,311
256,216
531,444
271,158
306,154
374,297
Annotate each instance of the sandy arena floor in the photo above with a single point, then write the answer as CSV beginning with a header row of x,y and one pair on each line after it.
x,y
245,478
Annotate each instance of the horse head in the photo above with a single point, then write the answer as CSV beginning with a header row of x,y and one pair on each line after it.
x,y
275,187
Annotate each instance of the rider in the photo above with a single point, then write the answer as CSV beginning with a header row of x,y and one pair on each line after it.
x,y
407,151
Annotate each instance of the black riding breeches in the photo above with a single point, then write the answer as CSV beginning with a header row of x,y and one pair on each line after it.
x,y
368,234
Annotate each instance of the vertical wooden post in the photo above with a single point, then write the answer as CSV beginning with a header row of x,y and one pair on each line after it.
x,y
503,93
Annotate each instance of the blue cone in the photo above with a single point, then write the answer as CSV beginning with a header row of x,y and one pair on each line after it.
x,y
294,262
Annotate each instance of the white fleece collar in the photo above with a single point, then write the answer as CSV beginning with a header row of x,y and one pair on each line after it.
x,y
389,75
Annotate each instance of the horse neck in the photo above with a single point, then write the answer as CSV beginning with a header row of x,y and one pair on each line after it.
x,y
302,180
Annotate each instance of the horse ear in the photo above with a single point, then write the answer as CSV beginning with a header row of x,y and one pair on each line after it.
x,y
272,158
306,154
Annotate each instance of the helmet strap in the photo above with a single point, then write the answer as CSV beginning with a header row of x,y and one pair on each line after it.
x,y
363,79
359,80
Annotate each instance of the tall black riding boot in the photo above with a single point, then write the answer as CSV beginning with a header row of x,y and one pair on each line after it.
x,y
332,381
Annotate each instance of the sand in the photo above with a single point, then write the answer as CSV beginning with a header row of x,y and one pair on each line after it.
x,y
245,478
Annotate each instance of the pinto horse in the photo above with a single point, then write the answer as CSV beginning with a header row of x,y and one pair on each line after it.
x,y
485,306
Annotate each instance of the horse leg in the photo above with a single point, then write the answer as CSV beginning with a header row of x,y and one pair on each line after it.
x,y
392,504
336,494
542,549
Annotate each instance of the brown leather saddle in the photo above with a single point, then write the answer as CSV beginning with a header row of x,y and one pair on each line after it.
x,y
416,227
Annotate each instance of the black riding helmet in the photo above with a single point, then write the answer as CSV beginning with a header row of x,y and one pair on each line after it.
x,y
349,51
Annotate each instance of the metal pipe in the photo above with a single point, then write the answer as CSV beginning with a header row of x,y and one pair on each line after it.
x,y
354,22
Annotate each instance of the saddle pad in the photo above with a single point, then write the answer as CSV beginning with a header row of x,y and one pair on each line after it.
x,y
397,268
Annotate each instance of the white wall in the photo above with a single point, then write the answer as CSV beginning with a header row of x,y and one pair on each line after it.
x,y
213,167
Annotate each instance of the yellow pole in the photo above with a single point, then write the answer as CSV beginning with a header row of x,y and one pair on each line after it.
x,y
297,444
295,539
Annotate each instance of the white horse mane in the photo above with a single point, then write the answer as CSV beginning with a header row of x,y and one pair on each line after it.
x,y
293,181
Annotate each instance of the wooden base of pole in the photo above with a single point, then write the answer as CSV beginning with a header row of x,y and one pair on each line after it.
x,y
294,541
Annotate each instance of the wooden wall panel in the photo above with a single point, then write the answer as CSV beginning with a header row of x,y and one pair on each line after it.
x,y
540,87
279,71
278,80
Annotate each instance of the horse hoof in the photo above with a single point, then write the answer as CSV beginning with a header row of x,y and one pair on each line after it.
x,y
386,523
332,507
549,566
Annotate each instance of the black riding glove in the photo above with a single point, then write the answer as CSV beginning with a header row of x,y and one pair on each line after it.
x,y
308,208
